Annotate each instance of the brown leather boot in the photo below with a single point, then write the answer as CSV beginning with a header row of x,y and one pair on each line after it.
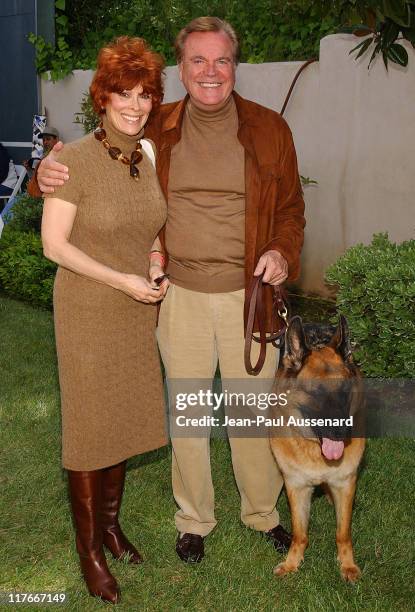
x,y
85,490
114,539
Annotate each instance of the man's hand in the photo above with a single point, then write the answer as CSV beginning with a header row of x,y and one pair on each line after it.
x,y
51,173
274,266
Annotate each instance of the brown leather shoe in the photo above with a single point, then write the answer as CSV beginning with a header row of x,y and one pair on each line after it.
x,y
113,537
280,538
190,547
85,490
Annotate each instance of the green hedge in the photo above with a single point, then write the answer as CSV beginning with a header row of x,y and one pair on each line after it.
x,y
26,214
376,291
24,272
269,30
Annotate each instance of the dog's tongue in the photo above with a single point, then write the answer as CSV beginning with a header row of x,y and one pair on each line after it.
x,y
332,449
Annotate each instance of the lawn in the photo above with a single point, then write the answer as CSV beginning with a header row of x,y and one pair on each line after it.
x,y
37,544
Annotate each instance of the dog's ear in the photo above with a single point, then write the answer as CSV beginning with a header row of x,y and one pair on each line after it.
x,y
341,340
296,348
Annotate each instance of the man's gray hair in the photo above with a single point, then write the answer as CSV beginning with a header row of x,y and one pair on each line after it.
x,y
206,24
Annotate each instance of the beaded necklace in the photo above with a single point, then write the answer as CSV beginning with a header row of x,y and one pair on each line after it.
x,y
116,153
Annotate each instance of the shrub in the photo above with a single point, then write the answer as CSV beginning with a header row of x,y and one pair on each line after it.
x,y
87,117
26,214
24,272
377,294
269,30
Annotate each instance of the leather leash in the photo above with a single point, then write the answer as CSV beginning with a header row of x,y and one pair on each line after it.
x,y
256,306
256,302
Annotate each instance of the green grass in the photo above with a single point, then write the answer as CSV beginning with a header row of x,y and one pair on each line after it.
x,y
37,547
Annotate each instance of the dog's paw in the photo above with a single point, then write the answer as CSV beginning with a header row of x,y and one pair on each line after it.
x,y
350,573
283,568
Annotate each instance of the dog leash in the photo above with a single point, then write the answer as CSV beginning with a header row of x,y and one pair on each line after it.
x,y
256,307
255,293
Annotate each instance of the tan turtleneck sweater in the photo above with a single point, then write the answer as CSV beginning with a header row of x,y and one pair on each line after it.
x,y
205,230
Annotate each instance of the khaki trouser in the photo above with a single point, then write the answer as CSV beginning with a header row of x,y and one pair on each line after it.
x,y
195,330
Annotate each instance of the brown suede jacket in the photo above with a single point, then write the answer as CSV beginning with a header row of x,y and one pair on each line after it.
x,y
274,216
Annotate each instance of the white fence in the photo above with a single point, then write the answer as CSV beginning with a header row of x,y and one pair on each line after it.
x,y
354,132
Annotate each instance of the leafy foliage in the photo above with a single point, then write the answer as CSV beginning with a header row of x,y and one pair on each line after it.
x,y
26,214
387,22
24,272
87,117
59,59
377,294
269,30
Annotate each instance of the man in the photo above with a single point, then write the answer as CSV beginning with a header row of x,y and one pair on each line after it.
x,y
228,169
49,137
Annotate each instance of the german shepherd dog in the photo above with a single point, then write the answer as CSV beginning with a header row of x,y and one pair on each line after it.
x,y
319,357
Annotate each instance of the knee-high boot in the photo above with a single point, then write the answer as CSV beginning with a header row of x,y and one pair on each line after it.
x,y
86,499
114,539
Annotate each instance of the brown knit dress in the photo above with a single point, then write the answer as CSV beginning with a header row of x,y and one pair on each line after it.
x,y
109,369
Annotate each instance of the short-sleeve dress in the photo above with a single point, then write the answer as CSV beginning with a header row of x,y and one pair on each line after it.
x,y
109,370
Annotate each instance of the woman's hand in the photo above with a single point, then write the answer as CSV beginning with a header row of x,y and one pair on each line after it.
x,y
141,289
156,271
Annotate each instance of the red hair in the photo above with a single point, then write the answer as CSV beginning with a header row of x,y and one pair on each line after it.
x,y
123,64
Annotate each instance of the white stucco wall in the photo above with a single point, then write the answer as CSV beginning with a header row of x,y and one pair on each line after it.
x,y
354,132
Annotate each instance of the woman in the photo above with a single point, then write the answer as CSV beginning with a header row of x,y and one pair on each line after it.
x,y
100,228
